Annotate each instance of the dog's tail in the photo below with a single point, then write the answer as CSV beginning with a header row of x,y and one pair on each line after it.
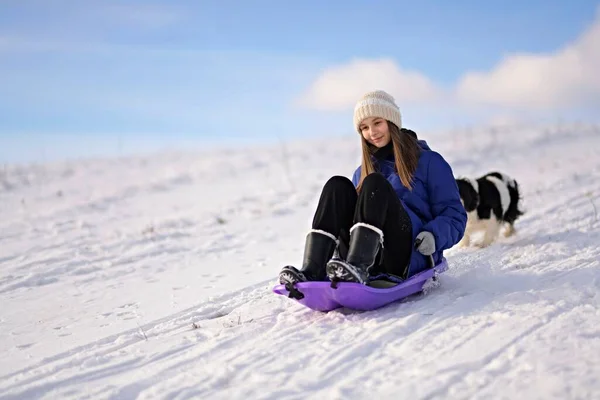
x,y
515,209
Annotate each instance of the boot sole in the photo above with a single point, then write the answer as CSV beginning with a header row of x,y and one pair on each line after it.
x,y
340,270
292,277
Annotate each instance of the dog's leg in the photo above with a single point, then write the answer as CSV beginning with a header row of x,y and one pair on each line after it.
x,y
510,230
473,224
465,241
492,229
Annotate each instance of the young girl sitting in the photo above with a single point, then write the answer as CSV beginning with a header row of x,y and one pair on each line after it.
x,y
403,193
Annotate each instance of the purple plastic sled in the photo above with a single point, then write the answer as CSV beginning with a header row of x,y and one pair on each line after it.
x,y
321,296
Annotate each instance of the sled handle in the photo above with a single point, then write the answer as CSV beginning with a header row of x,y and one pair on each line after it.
x,y
430,258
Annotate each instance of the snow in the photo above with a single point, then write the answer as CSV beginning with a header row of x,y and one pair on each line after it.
x,y
151,276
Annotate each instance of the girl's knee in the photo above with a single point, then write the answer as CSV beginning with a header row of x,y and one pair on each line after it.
x,y
339,182
375,180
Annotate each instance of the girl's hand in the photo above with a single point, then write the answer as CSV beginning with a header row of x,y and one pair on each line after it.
x,y
425,243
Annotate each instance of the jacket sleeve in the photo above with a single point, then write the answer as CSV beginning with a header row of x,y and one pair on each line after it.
x,y
449,215
356,177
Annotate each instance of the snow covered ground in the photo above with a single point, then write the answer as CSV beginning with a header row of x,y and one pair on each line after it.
x,y
150,277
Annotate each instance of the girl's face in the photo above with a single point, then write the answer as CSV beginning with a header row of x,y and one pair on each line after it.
x,y
375,131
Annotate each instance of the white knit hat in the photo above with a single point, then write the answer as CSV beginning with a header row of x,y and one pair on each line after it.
x,y
377,104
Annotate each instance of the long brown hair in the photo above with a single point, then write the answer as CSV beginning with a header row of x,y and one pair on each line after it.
x,y
406,155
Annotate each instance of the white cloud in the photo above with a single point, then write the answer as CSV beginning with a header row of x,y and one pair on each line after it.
x,y
339,87
568,77
565,79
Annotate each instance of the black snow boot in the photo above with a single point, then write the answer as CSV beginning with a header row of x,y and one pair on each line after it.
x,y
318,249
366,241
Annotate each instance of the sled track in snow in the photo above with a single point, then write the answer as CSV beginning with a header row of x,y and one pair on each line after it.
x,y
215,325
227,348
516,320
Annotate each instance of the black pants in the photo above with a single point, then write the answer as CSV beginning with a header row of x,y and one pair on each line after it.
x,y
340,207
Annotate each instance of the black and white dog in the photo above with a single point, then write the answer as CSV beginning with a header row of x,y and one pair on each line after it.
x,y
491,201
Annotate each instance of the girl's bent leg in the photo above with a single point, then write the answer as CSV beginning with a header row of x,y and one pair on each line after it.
x,y
380,239
332,218
336,206
380,206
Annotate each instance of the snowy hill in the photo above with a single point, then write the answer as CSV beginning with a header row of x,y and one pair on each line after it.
x,y
151,277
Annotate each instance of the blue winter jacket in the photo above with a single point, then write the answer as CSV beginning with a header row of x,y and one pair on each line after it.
x,y
433,204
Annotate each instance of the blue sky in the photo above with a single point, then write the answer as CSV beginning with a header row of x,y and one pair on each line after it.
x,y
104,77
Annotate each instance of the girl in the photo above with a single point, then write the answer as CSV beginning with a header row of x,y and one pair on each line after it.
x,y
402,193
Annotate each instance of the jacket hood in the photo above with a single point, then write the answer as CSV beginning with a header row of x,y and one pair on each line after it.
x,y
424,145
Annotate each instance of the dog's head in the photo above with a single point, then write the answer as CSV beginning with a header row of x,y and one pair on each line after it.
x,y
469,195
